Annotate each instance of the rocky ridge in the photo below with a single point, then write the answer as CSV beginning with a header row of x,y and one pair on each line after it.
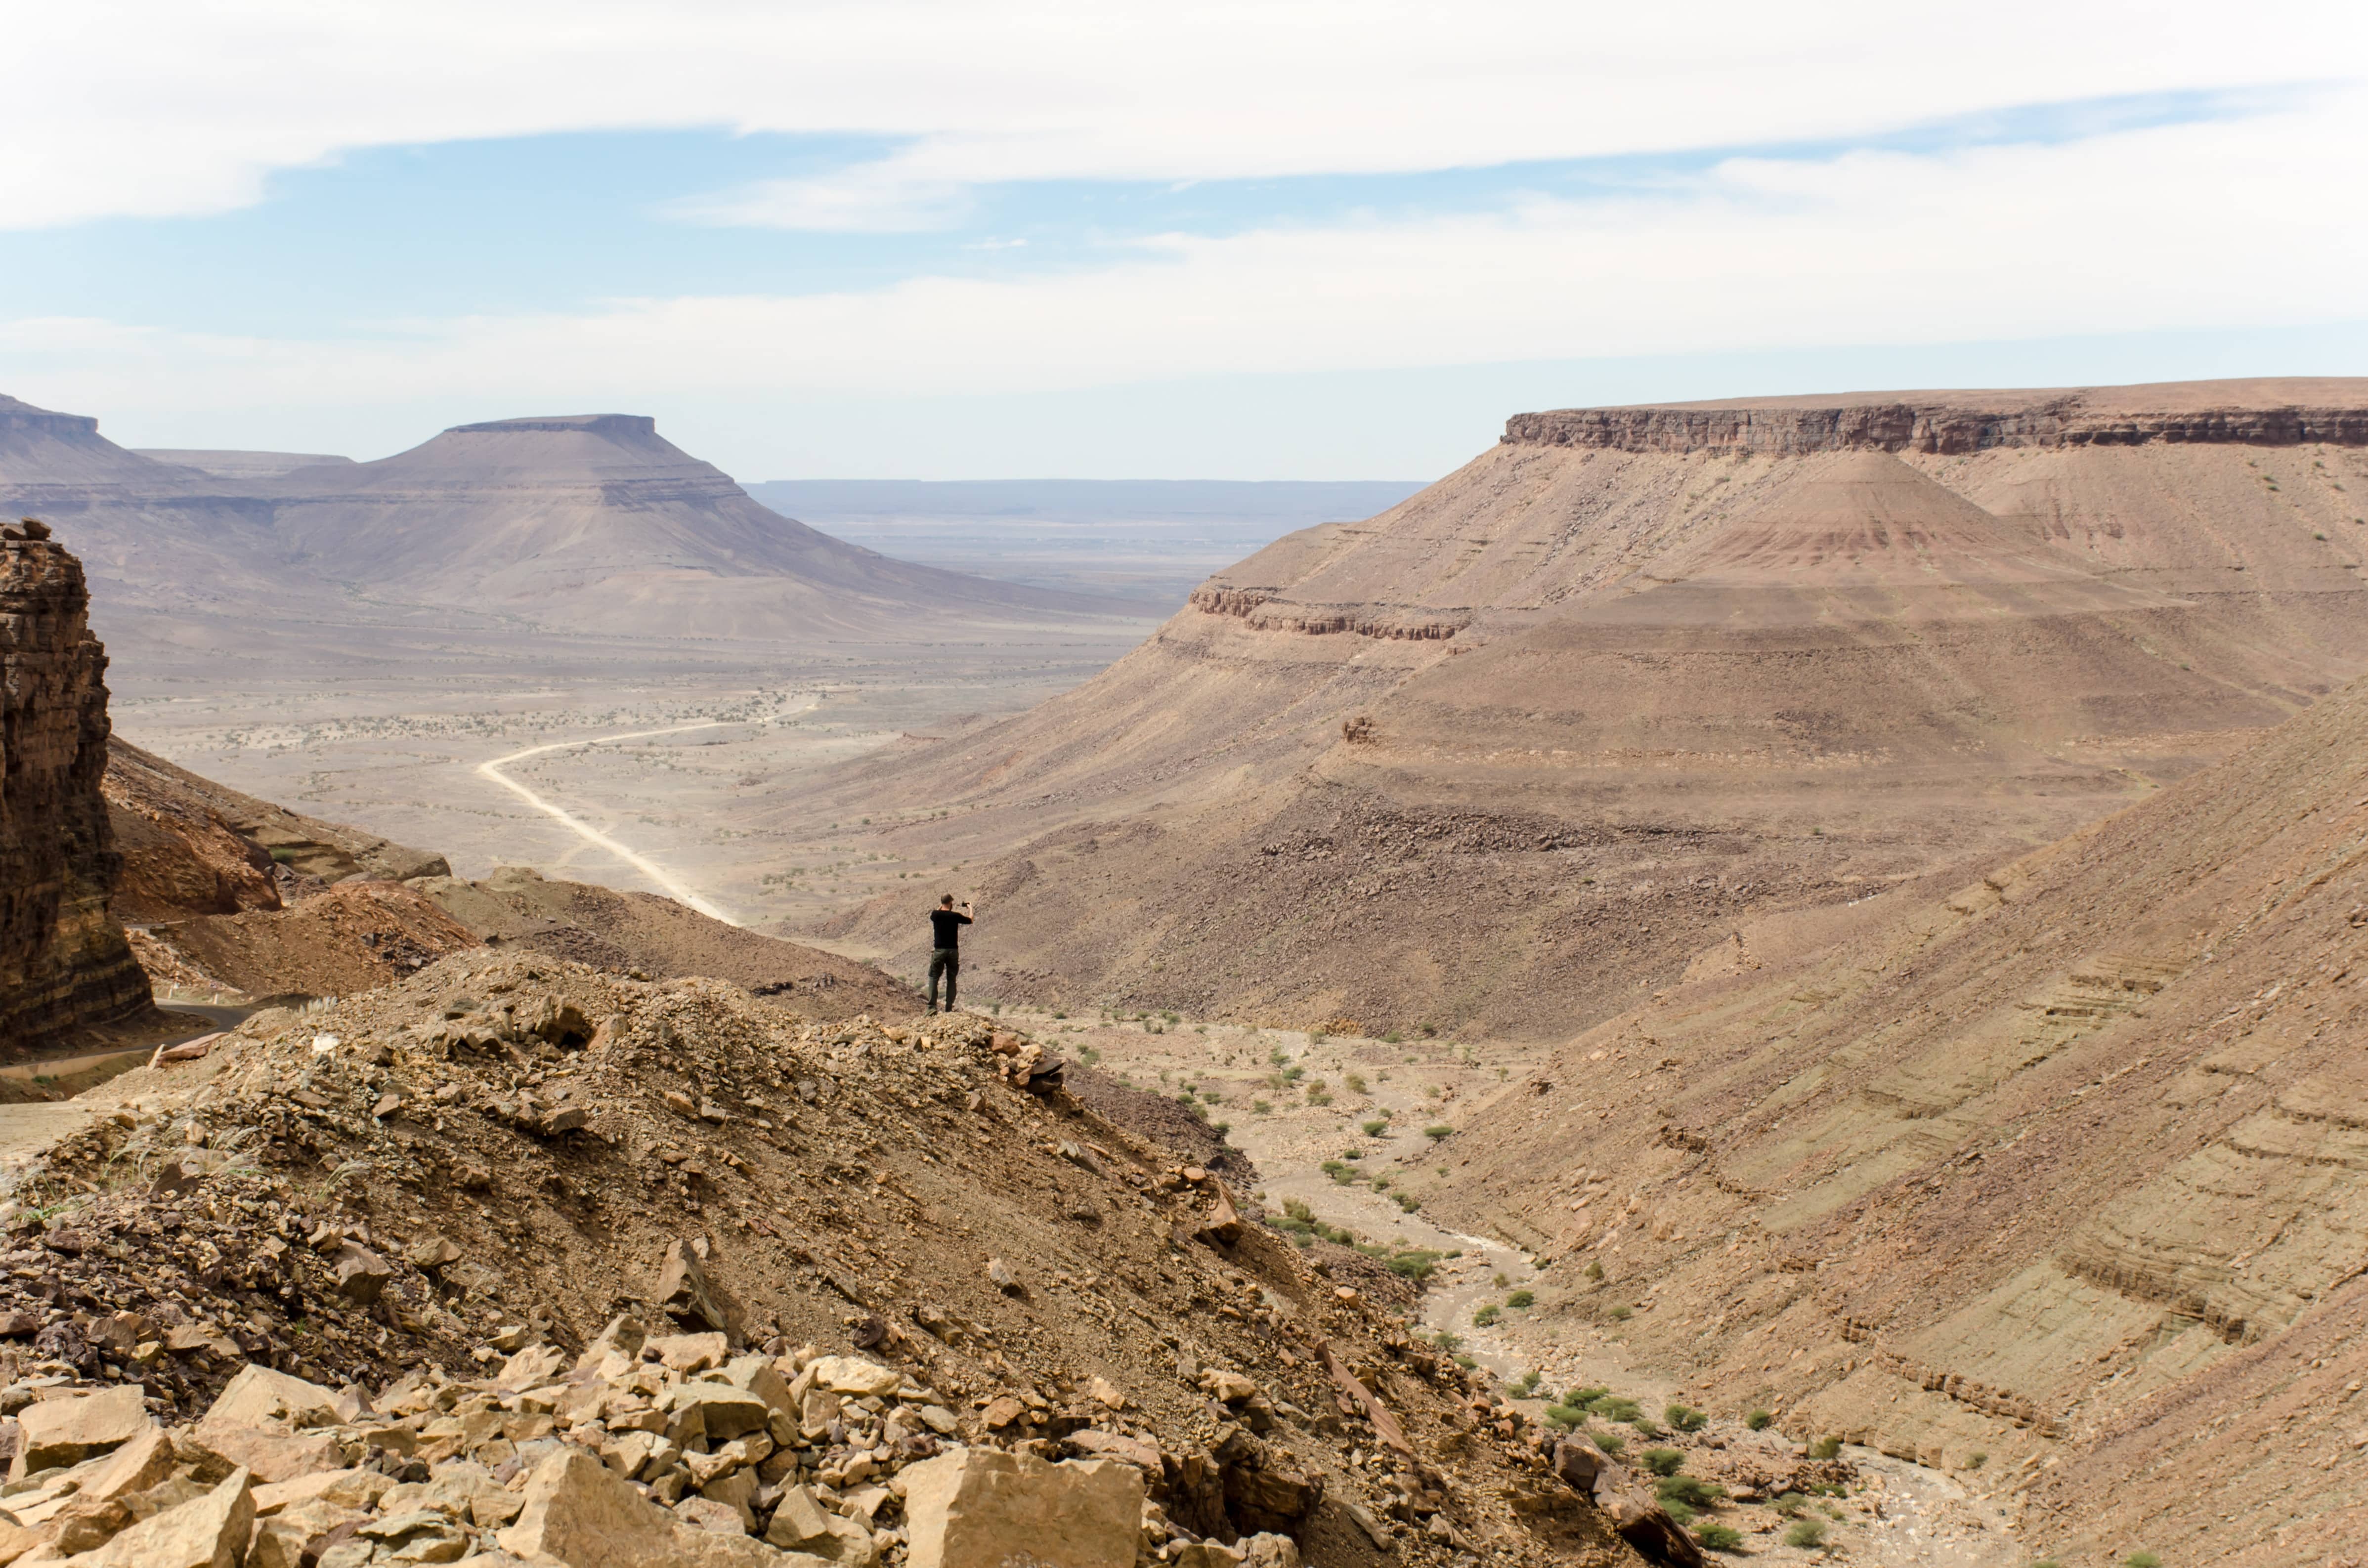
x,y
1956,423
435,1203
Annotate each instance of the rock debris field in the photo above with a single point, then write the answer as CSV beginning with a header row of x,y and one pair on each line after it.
x,y
517,1261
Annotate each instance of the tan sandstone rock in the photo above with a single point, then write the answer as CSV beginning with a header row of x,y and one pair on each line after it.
x,y
981,1506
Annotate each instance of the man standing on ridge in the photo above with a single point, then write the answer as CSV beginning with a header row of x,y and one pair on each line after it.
x,y
945,948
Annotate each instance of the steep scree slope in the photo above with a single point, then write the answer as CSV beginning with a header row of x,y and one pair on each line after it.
x,y
1499,756
2066,1169
513,1140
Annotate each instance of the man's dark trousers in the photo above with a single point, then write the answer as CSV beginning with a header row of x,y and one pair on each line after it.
x,y
948,962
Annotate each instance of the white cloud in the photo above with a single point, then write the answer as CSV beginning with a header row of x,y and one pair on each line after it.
x,y
2202,224
165,107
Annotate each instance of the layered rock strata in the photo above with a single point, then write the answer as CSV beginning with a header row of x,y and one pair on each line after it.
x,y
1934,424
63,962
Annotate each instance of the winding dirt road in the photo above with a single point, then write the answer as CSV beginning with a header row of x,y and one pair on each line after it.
x,y
665,879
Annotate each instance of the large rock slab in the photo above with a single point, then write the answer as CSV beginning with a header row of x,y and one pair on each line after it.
x,y
67,1431
210,1531
974,1507
582,1514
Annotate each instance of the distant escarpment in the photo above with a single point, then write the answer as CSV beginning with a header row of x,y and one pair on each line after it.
x,y
1943,424
63,962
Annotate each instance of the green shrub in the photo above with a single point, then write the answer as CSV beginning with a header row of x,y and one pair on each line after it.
x,y
1446,1341
1355,1082
1619,1314
1789,1504
1563,1416
1482,1316
1825,1449
1373,1129
1406,1201
1806,1533
1595,1269
1691,1490
1261,1107
1719,1538
1527,1386
1615,1407
1975,1459
1757,1420
1521,1298
1662,1461
1584,1398
1679,1511
1393,1037
1414,1265
1466,1362
1685,1418
1611,1443
2141,1559
1437,1131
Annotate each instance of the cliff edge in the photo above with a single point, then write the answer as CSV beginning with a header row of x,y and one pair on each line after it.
x,y
64,960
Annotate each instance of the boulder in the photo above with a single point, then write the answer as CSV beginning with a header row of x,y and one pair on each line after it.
x,y
854,1376
210,1531
981,1505
54,1432
362,1274
685,1289
261,1397
758,1375
585,1514
809,1531
729,1412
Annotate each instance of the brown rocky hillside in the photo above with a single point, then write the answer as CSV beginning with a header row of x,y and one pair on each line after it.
x,y
1502,756
2060,1174
599,1271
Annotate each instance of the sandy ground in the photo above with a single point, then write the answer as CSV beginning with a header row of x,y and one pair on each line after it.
x,y
397,739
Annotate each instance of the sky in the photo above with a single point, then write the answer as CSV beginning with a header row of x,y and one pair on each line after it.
x,y
1296,239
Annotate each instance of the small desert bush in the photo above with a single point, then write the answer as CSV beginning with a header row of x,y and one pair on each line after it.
x,y
1825,1449
1484,1316
1685,1418
1719,1538
1373,1129
1808,1533
1662,1461
1757,1420
1691,1490
1521,1298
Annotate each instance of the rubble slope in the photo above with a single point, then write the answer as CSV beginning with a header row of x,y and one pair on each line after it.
x,y
507,1151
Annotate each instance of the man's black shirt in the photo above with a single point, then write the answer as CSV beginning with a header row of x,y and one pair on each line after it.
x,y
948,924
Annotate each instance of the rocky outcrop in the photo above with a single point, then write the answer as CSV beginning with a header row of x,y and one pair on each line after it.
x,y
2050,419
63,962
192,847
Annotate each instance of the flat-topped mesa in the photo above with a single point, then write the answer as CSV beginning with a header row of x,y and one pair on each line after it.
x,y
2298,412
64,960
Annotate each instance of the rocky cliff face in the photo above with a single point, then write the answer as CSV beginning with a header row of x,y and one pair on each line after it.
x,y
63,962
1947,423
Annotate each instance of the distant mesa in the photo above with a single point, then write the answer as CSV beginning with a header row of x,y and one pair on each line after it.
x,y
590,521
